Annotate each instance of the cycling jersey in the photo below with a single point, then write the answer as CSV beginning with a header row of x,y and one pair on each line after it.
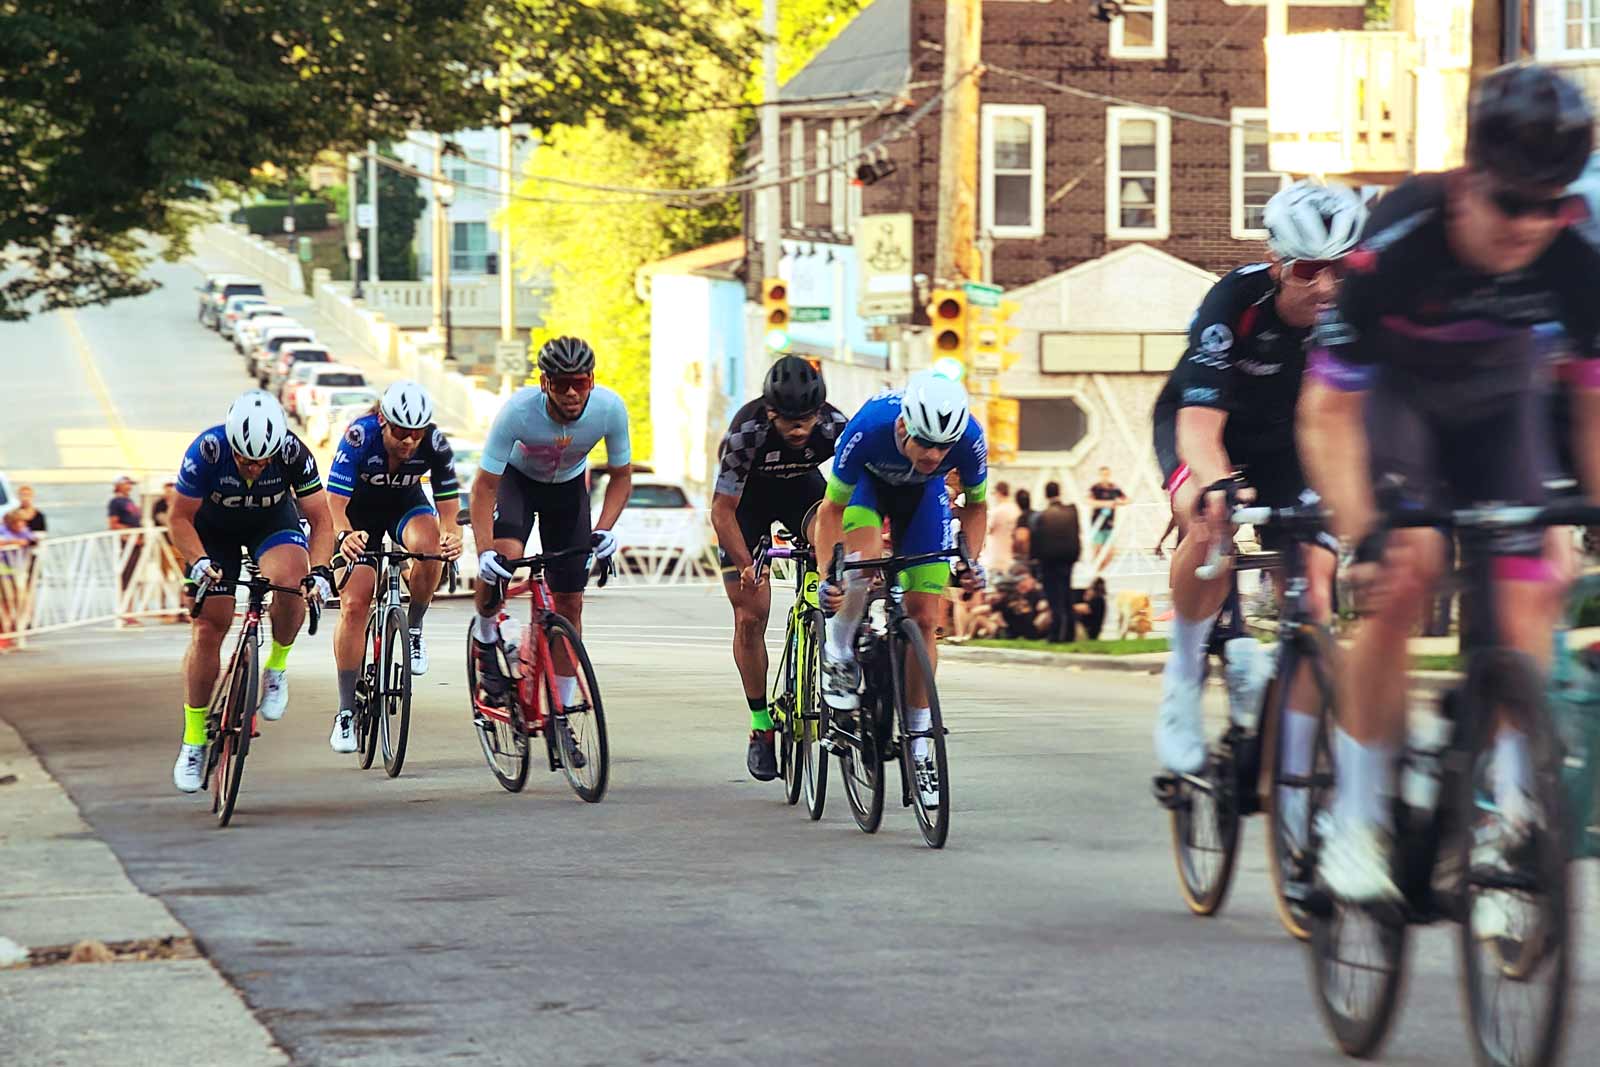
x,y
209,474
870,448
525,437
753,448
361,465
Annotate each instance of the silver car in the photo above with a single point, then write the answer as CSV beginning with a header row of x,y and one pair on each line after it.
x,y
233,310
244,331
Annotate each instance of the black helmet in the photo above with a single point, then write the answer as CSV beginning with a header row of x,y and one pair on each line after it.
x,y
566,355
794,389
1529,125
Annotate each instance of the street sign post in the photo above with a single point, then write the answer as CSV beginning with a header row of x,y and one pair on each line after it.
x,y
811,314
364,215
982,295
511,359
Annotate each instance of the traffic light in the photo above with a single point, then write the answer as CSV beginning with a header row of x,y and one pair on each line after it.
x,y
992,337
775,308
947,312
1002,428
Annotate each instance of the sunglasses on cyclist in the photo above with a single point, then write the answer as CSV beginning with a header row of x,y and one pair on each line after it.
x,y
923,442
403,434
1514,205
1308,270
568,383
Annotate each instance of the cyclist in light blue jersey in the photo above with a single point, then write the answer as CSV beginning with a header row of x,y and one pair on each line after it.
x,y
891,464
544,436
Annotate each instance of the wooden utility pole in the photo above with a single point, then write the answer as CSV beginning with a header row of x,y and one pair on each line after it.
x,y
771,199
957,257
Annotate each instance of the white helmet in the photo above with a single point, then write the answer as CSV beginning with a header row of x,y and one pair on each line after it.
x,y
1310,220
935,408
256,426
406,405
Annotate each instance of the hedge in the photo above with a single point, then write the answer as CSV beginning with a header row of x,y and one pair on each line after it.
x,y
266,217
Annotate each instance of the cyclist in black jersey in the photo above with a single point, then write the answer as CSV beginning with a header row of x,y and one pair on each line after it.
x,y
1428,369
768,472
1229,406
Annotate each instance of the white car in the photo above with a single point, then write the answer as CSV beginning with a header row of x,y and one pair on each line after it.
x,y
326,422
234,309
660,527
318,382
272,340
254,319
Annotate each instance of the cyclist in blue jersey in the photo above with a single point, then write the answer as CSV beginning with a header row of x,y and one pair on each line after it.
x,y
374,489
534,464
891,464
237,490
1428,369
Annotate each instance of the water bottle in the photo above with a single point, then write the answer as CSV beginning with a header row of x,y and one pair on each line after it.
x,y
511,643
1430,734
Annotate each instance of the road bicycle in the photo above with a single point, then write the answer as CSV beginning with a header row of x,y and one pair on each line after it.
x,y
382,706
532,658
1241,776
1453,860
892,653
796,699
230,725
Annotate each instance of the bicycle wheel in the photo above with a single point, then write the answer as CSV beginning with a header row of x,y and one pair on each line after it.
x,y
1516,937
934,822
861,766
1290,800
238,722
502,733
394,709
580,727
812,721
786,718
371,698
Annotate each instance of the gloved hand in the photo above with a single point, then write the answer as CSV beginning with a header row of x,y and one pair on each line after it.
x,y
319,583
830,596
974,578
205,570
492,566
604,543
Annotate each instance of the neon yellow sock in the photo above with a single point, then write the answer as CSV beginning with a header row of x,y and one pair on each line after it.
x,y
278,658
194,725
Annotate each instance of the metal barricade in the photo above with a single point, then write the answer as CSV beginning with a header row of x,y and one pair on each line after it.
x,y
110,576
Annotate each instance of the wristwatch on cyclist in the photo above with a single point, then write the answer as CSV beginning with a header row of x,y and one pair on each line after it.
x,y
338,540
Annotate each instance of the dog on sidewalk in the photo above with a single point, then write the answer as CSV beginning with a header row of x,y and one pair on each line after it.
x,y
1133,613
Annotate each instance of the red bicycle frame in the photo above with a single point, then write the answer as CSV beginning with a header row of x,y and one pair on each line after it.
x,y
534,658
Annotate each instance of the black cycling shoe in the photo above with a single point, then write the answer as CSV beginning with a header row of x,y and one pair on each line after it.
x,y
762,758
569,740
494,688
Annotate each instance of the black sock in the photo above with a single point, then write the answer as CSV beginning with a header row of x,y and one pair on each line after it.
x,y
347,690
414,614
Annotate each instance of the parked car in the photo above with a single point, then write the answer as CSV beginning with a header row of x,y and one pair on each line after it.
x,y
326,419
468,454
234,309
216,290
251,321
272,341
660,528
309,383
289,352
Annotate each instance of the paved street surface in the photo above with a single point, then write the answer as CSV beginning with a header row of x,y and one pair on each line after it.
x,y
691,917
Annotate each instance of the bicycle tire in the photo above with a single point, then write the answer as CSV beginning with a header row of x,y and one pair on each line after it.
x,y
367,714
813,718
514,732
1545,947
935,826
238,721
1282,855
588,781
786,703
1205,892
862,768
394,709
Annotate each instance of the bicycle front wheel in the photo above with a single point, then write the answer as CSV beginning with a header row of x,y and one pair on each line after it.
x,y
1292,798
579,726
785,705
1205,834
394,709
811,721
372,705
502,732
238,723
924,769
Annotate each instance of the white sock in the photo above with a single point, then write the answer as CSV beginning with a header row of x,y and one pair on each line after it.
x,y
917,721
1511,764
1188,639
567,690
1365,777
1299,737
842,626
486,628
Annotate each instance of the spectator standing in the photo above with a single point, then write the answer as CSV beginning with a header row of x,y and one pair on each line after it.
x,y
171,565
16,541
1056,543
1107,497
1003,514
30,514
1022,537
124,513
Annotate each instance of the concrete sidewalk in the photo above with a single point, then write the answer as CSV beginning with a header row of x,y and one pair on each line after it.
x,y
60,885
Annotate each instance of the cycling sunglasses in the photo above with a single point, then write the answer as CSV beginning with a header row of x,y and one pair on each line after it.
x,y
1308,270
1568,207
403,434
568,383
923,442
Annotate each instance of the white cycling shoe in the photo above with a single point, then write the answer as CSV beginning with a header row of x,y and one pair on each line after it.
x,y
274,694
419,653
841,681
1180,736
1354,861
343,738
190,769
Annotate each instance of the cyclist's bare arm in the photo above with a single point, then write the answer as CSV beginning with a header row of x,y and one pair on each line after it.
x,y
315,508
1332,437
618,486
180,522
1199,432
1586,402
725,521
974,520
338,508
485,487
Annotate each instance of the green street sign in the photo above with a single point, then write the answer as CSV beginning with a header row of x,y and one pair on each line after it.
x,y
812,314
980,295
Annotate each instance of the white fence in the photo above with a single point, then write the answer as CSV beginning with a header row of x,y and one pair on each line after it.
x,y
475,303
112,576
264,260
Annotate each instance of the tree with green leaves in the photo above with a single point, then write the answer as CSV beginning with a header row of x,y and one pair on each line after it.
x,y
399,204
119,121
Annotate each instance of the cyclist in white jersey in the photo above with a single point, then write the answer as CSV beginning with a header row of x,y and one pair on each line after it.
x,y
534,464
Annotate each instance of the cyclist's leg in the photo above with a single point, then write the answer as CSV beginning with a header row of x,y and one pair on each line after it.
x,y
203,660
564,523
863,539
355,600
515,503
283,559
752,606
418,530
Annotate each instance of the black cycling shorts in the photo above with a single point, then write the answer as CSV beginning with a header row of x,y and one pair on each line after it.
x,y
380,513
563,512
765,501
224,541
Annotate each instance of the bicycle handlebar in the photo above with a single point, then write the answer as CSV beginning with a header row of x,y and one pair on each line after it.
x,y
538,563
205,586
767,551
838,565
394,553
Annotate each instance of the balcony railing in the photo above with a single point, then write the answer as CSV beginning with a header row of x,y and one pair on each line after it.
x,y
1341,102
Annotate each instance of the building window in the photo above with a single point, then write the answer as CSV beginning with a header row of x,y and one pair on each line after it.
x,y
469,247
852,149
1050,424
840,177
1138,165
1580,25
1254,181
1140,32
824,156
797,165
1012,165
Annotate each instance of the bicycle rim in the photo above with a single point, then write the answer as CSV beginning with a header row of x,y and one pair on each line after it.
x,y
935,822
584,732
1286,853
862,768
367,714
813,723
238,720
787,718
394,710
504,741
1516,937
1205,837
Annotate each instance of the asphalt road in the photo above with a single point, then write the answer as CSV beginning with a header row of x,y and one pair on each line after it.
x,y
691,917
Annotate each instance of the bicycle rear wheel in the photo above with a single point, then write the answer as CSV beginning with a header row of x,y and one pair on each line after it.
x,y
1516,938
502,733
934,821
372,704
1290,799
393,711
579,728
812,722
238,722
